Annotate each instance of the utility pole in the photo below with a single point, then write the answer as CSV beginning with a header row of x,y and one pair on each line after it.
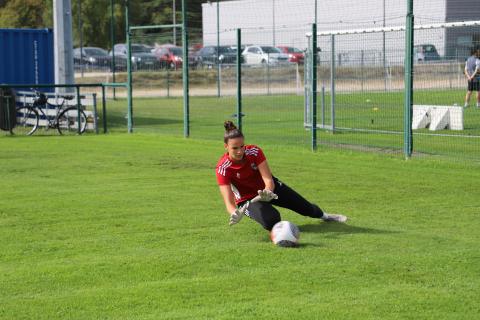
x,y
62,42
273,22
112,43
174,23
80,33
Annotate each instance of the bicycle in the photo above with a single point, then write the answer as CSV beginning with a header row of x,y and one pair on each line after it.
x,y
68,120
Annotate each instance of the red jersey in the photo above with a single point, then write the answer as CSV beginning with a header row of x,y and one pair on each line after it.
x,y
244,178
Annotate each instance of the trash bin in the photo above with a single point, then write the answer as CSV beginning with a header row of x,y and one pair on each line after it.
x,y
7,109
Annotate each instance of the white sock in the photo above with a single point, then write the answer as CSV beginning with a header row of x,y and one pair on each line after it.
x,y
465,105
325,216
478,104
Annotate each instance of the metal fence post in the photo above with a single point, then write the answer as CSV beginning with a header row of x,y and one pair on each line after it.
x,y
450,73
268,73
323,106
297,78
79,130
112,42
307,73
168,82
239,79
314,87
104,110
332,84
95,124
408,140
186,97
9,125
218,50
219,80
129,70
362,68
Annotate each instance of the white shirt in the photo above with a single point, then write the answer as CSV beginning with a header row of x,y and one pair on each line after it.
x,y
472,65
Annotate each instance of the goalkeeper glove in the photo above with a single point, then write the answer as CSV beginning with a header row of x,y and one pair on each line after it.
x,y
267,195
237,214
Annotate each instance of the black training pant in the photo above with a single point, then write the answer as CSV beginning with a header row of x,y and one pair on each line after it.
x,y
266,214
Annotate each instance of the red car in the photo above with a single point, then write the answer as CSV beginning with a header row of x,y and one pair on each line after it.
x,y
169,56
294,55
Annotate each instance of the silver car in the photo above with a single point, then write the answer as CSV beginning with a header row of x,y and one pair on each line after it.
x,y
264,55
142,57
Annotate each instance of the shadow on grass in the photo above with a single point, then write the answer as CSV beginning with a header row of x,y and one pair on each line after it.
x,y
331,230
309,244
340,228
302,245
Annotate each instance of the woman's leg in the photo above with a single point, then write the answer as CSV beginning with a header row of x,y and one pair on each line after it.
x,y
264,213
290,199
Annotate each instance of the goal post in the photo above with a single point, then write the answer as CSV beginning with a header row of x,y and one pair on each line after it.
x,y
130,35
366,87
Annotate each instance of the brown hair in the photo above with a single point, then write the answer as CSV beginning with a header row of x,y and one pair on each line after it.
x,y
231,131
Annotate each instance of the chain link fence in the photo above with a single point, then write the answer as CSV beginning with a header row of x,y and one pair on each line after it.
x,y
360,79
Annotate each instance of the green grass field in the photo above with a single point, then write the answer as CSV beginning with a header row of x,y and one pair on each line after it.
x,y
278,119
133,227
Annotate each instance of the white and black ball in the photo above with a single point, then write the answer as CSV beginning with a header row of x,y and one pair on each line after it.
x,y
285,234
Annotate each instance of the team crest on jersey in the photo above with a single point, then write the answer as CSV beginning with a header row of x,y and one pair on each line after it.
x,y
254,166
238,175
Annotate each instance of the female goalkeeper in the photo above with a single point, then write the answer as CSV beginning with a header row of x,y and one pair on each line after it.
x,y
248,187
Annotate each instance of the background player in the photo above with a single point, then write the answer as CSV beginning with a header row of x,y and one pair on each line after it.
x,y
472,73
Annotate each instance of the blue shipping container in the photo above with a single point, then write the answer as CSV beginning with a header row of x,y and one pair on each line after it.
x,y
26,56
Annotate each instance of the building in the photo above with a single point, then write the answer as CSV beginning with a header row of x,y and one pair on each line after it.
x,y
284,22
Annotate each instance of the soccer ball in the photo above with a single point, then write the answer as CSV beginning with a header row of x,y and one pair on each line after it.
x,y
285,234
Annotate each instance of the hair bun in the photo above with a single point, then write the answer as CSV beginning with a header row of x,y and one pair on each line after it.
x,y
229,126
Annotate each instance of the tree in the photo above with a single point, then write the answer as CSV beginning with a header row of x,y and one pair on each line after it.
x,y
95,18
22,14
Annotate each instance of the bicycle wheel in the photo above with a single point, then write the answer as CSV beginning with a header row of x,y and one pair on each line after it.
x,y
67,122
26,121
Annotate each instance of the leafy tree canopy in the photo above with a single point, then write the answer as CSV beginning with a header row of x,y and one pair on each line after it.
x,y
93,25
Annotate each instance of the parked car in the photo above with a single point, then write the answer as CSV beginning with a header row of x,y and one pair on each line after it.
x,y
170,56
212,55
294,55
92,58
263,55
142,57
148,48
193,55
425,52
242,47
